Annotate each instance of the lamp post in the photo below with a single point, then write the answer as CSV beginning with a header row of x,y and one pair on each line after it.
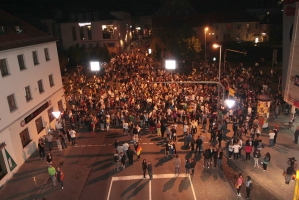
x,y
95,66
224,60
220,47
211,34
206,29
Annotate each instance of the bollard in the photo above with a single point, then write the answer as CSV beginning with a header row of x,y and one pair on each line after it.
x,y
34,181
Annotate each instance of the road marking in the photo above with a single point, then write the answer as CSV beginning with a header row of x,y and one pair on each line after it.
x,y
83,145
103,145
150,190
144,143
150,143
108,197
192,187
96,145
76,146
89,145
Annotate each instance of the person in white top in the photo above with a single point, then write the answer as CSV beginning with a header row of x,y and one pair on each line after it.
x,y
236,149
126,127
126,147
73,136
185,129
271,138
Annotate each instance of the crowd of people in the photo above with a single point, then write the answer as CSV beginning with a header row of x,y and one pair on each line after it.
x,y
135,93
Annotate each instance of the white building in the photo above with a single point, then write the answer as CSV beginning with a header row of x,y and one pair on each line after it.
x,y
31,88
91,30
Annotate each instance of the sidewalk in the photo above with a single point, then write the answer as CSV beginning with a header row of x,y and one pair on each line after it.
x,y
272,179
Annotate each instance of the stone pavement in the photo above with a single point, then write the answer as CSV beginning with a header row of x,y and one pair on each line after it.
x,y
272,179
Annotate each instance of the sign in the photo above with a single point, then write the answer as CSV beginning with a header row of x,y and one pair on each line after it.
x,y
22,123
231,92
11,163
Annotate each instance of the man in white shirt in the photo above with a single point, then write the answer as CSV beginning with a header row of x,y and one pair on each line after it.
x,y
271,138
73,136
126,147
126,127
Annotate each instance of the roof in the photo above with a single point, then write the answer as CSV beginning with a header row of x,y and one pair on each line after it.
x,y
15,33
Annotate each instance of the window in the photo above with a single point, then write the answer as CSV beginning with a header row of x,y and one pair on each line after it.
x,y
2,30
247,25
11,102
74,33
25,137
108,31
51,80
39,125
40,86
60,106
3,170
95,16
27,93
3,67
21,62
81,33
51,116
46,54
35,58
87,16
89,32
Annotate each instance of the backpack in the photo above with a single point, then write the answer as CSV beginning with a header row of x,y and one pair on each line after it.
x,y
250,186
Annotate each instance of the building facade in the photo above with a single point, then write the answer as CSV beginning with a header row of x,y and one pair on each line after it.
x,y
31,89
91,30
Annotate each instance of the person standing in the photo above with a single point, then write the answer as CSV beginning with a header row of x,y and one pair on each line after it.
x,y
248,150
138,150
177,163
144,167
271,138
72,133
296,134
59,176
198,144
52,172
192,142
289,173
215,156
187,166
130,154
49,159
207,154
276,133
116,161
256,156
266,160
248,184
123,160
239,183
192,165
220,155
49,140
126,147
62,140
41,149
150,169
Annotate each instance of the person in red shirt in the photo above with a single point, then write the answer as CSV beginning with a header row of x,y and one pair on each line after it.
x,y
248,150
59,176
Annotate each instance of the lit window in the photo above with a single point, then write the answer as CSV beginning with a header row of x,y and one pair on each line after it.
x,y
3,67
89,34
21,62
108,31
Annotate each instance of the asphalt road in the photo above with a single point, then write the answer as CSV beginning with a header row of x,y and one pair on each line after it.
x,y
89,173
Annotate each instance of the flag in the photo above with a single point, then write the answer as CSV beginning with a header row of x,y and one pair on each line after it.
x,y
139,149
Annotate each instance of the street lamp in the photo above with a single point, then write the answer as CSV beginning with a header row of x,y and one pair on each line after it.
x,y
230,103
94,66
224,60
170,64
220,47
206,29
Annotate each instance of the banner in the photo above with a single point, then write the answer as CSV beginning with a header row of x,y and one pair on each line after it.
x,y
11,163
263,108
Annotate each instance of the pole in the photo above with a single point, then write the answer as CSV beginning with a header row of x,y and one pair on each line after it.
x,y
224,61
220,47
205,45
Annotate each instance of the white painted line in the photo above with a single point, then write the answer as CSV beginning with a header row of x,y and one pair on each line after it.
x,y
108,197
89,145
144,143
96,145
76,146
192,188
83,145
150,190
103,145
150,143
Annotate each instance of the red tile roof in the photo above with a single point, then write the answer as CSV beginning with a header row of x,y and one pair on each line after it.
x,y
28,36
